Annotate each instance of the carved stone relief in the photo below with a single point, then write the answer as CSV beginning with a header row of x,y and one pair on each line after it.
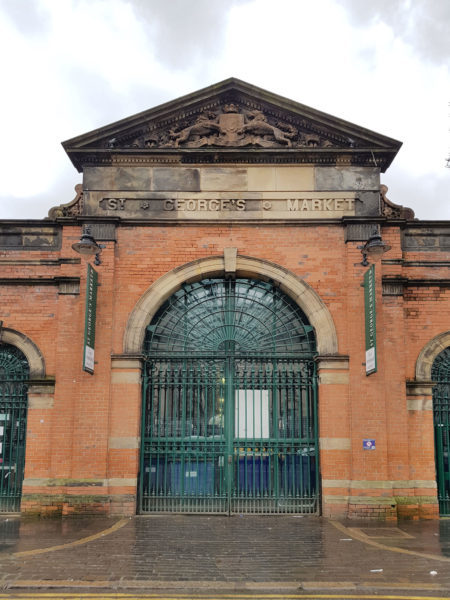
x,y
230,125
391,210
72,208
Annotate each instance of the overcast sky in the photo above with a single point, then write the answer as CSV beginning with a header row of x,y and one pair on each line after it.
x,y
70,66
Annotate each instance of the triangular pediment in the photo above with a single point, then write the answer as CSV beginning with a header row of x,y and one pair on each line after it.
x,y
231,121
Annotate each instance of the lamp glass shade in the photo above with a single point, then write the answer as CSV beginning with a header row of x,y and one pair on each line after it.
x,y
86,249
376,250
87,246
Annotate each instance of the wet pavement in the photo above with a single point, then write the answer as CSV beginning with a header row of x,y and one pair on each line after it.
x,y
180,552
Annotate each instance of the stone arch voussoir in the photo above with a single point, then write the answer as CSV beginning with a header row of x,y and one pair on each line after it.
x,y
308,300
31,351
428,354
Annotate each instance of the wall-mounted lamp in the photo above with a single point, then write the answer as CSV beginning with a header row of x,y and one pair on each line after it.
x,y
87,246
374,248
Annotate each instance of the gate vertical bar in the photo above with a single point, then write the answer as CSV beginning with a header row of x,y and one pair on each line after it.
x,y
313,371
229,428
142,473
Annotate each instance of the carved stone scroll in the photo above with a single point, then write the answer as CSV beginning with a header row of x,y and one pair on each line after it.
x,y
72,208
391,210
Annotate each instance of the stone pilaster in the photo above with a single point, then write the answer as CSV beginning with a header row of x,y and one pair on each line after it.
x,y
124,439
334,433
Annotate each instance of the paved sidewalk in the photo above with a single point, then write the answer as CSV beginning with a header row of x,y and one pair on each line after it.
x,y
179,553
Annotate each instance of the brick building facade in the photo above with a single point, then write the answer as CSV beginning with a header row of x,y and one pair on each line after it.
x,y
230,369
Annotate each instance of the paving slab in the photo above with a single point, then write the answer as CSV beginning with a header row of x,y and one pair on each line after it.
x,y
253,553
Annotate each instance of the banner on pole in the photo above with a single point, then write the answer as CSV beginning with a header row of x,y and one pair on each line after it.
x,y
89,323
370,320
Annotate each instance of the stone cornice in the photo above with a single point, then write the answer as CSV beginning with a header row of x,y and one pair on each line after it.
x,y
407,282
42,385
233,122
48,262
361,157
210,97
157,222
39,280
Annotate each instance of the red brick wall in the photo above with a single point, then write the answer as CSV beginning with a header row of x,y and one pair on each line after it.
x,y
68,462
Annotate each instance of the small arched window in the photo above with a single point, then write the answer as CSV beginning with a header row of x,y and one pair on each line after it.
x,y
14,373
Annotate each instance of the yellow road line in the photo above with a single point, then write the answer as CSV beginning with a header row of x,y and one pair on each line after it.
x,y
205,594
370,542
118,596
115,596
79,542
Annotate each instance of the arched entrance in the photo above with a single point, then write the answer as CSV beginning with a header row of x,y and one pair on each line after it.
x,y
229,402
14,374
296,288
440,374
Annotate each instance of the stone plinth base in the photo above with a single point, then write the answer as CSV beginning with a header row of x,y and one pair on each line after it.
x,y
46,505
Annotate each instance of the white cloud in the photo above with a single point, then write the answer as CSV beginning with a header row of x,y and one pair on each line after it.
x,y
75,65
366,75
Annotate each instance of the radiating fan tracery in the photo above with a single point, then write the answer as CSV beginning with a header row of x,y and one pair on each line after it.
x,y
242,315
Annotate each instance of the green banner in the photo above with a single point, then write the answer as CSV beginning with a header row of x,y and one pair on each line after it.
x,y
370,320
89,323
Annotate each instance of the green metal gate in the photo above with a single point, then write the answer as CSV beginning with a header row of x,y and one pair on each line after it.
x,y
13,413
229,403
440,373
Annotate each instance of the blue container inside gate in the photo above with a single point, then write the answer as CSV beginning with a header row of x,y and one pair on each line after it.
x,y
298,475
156,479
253,476
193,478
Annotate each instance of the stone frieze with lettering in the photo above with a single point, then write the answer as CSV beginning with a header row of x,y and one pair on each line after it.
x,y
232,206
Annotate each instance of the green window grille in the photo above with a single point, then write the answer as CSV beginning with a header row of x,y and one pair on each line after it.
x,y
14,373
229,402
440,374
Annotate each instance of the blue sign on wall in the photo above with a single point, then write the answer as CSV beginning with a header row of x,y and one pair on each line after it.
x,y
368,444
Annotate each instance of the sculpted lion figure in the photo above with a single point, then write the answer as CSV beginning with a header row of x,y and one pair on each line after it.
x,y
259,126
204,125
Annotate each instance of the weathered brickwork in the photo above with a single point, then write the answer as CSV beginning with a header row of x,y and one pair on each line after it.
x,y
90,431
84,431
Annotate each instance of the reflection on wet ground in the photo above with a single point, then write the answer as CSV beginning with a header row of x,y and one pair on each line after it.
x,y
18,534
199,550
